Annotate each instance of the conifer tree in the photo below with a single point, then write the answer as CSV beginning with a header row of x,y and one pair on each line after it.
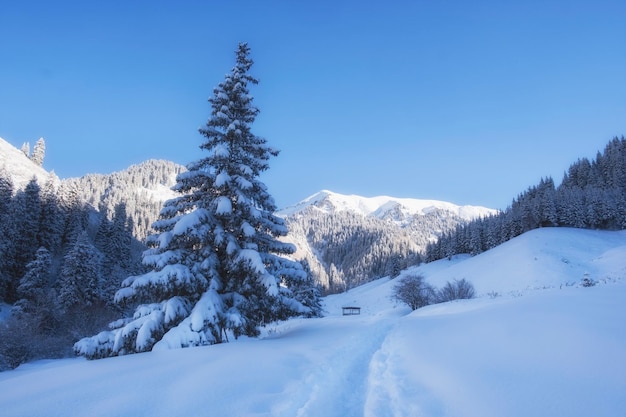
x,y
80,275
52,220
218,267
26,149
27,215
122,235
34,283
39,152
7,226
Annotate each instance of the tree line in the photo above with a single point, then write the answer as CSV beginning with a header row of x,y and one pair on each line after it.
x,y
592,195
60,263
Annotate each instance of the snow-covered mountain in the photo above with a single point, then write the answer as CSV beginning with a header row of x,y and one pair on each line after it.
x,y
535,342
21,169
143,187
349,240
398,210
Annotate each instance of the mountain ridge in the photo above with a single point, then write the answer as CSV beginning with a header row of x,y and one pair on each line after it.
x,y
380,206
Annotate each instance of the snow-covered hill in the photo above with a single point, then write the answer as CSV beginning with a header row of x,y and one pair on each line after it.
x,y
143,187
399,210
545,346
19,166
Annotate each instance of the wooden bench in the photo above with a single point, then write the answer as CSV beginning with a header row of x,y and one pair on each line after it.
x,y
351,311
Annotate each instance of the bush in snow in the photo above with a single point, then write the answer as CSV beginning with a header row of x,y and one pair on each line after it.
x,y
414,291
217,265
32,332
587,281
456,290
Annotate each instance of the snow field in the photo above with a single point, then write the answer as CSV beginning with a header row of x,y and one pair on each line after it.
x,y
544,347
558,352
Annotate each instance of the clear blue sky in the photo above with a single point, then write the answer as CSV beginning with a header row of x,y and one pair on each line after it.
x,y
464,101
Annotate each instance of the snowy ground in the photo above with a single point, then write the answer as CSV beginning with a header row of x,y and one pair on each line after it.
x,y
544,346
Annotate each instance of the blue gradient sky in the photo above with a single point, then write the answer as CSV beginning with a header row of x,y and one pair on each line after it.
x,y
468,102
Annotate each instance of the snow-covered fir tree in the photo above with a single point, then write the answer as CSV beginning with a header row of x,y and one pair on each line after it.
x,y
39,152
218,267
7,227
27,214
34,282
80,275
52,220
26,149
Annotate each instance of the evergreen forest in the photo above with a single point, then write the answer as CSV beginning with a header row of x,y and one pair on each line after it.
x,y
60,263
592,195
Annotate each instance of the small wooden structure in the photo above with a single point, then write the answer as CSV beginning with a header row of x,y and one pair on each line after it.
x,y
351,311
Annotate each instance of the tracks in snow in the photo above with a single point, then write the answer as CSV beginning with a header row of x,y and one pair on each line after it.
x,y
345,371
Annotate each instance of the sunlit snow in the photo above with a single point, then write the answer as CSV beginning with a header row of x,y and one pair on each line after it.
x,y
379,206
534,343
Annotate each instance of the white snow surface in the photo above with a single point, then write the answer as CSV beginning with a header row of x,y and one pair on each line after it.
x,y
546,346
21,168
381,206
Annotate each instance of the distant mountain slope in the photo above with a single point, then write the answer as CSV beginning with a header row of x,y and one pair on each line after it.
x,y
349,240
143,188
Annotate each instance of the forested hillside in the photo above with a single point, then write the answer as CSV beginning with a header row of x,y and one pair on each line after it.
x,y
60,263
67,245
142,188
350,240
592,195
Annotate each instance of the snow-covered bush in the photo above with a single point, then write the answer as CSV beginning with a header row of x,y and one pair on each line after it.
x,y
414,291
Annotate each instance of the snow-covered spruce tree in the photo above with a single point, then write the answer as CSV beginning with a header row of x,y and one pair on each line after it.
x,y
35,281
26,215
218,268
39,152
26,149
80,275
52,221
7,228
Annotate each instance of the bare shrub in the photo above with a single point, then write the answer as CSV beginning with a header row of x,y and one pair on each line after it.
x,y
414,291
456,290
